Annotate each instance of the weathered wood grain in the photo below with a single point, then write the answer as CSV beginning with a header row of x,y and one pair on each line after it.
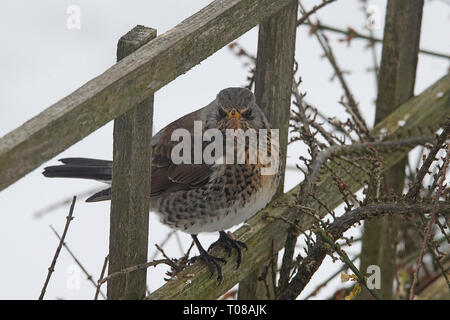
x,y
397,76
267,229
127,83
130,201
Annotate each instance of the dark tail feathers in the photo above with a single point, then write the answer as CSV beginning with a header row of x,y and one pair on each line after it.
x,y
84,168
81,168
100,196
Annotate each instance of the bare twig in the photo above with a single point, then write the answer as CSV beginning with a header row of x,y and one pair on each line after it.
x,y
58,249
372,48
88,275
291,239
61,203
351,105
162,244
325,282
350,33
349,263
431,222
102,274
325,154
317,253
136,268
415,188
168,261
312,11
180,245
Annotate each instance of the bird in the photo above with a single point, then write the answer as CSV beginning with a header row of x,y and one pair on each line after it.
x,y
203,196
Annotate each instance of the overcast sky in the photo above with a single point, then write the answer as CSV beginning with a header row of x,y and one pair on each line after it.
x,y
42,60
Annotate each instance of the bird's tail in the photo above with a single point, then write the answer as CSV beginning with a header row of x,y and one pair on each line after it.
x,y
84,168
81,168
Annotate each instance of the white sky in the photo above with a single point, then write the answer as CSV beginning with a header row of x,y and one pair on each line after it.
x,y
41,61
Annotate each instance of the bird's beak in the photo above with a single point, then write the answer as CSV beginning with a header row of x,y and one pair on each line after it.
x,y
234,114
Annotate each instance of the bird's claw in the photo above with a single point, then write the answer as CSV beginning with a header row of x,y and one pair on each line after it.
x,y
213,263
229,244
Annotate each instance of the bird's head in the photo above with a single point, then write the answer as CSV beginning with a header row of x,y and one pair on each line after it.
x,y
237,108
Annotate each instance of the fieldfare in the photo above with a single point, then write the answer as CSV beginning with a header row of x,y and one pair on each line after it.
x,y
192,194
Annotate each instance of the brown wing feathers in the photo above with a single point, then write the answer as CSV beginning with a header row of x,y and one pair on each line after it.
x,y
166,176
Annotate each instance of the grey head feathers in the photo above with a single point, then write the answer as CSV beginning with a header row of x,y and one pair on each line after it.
x,y
239,98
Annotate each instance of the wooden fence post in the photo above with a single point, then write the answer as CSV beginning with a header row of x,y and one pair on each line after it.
x,y
397,76
130,203
273,89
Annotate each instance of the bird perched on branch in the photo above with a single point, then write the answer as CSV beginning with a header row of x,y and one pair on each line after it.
x,y
208,171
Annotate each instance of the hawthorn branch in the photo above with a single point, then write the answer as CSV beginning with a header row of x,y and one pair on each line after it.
x,y
424,169
431,222
348,262
352,106
318,252
320,158
337,150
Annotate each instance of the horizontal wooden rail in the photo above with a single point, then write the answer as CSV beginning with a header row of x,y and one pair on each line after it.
x,y
429,109
127,83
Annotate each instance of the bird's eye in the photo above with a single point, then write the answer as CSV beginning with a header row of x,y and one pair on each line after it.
x,y
222,113
248,113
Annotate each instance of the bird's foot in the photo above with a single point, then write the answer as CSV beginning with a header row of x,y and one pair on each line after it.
x,y
213,263
229,244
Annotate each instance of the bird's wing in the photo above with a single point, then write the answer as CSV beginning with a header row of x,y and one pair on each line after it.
x,y
167,177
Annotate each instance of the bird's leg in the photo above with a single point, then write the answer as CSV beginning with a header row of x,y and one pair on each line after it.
x,y
211,261
230,244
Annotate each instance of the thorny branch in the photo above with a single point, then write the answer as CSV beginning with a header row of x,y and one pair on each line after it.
x,y
417,184
351,105
348,262
432,221
317,253
330,146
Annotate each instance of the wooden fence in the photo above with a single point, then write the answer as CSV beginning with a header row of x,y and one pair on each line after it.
x,y
124,93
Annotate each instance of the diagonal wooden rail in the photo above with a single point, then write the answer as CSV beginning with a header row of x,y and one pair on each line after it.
x,y
269,229
127,83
